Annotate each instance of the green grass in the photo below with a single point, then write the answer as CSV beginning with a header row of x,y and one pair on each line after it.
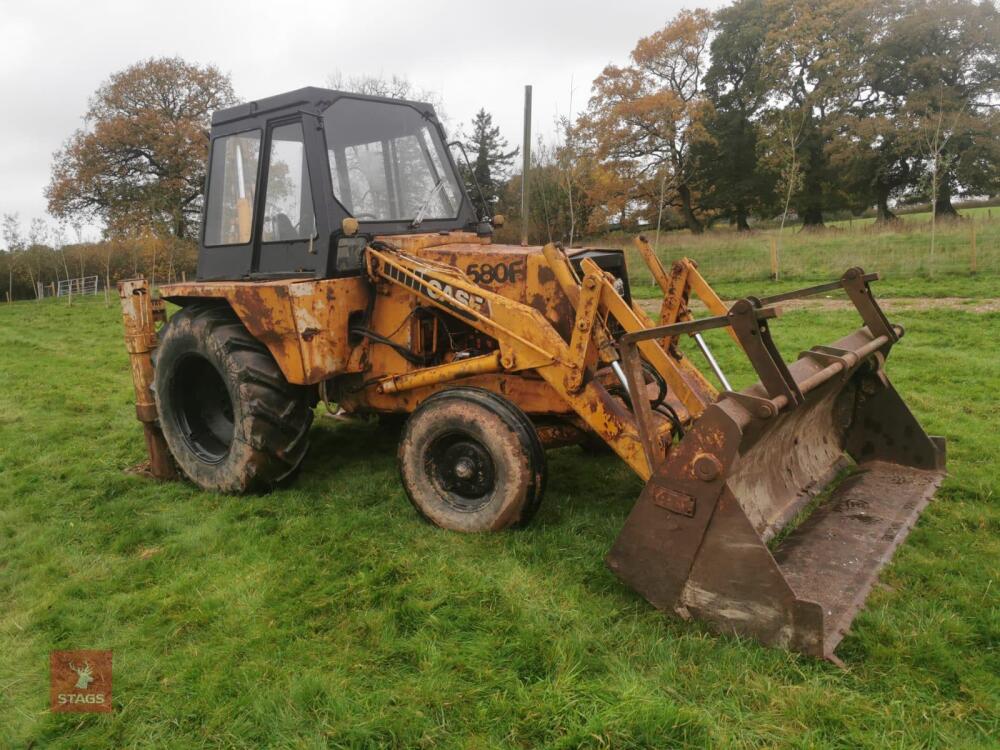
x,y
967,288
979,213
328,615
902,255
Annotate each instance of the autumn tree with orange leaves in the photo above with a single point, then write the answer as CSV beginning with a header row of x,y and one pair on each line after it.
x,y
643,118
138,164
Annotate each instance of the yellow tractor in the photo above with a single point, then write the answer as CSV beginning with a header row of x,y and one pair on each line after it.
x,y
342,261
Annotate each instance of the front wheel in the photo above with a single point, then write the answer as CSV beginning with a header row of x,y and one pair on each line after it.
x,y
471,461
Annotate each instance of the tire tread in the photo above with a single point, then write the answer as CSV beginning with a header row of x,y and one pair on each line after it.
x,y
278,413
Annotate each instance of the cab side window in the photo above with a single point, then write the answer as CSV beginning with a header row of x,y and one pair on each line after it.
x,y
288,206
231,187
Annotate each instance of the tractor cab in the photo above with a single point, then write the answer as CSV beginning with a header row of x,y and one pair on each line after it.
x,y
284,172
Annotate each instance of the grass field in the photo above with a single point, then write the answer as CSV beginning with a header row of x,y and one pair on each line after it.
x,y
903,255
328,615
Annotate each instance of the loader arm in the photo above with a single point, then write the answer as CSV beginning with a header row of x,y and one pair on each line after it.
x,y
677,287
686,383
527,341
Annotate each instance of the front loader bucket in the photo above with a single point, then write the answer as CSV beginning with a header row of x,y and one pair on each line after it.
x,y
713,535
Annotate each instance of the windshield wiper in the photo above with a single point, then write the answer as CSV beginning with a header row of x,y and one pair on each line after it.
x,y
418,219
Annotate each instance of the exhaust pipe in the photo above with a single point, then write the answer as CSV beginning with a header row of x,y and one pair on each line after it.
x,y
526,166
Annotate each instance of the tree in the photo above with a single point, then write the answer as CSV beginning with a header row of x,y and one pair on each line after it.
x,y
139,162
874,165
608,190
491,162
644,118
392,87
576,169
868,148
557,206
813,70
37,253
15,246
941,59
737,183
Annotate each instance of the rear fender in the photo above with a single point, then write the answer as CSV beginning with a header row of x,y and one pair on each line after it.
x,y
303,323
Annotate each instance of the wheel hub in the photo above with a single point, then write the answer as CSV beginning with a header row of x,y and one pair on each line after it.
x,y
463,470
204,409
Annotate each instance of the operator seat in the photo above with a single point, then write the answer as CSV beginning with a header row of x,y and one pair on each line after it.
x,y
283,227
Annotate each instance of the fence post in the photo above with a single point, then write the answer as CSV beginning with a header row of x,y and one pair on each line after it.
x,y
8,297
973,264
774,258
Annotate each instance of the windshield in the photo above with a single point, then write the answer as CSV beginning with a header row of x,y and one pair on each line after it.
x,y
388,163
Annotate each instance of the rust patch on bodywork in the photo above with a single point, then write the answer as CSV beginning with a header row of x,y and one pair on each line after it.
x,y
303,322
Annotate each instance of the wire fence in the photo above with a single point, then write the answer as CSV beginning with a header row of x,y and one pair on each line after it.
x,y
907,250
78,287
83,286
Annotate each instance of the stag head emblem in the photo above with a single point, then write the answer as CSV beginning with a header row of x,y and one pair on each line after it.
x,y
84,675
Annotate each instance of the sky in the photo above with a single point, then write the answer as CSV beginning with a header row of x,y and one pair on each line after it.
x,y
54,55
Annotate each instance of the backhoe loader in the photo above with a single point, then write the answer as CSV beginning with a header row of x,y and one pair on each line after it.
x,y
341,261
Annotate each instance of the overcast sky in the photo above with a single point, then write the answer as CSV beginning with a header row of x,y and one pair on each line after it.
x,y
53,55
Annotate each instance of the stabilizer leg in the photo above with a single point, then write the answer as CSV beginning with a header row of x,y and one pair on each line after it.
x,y
140,314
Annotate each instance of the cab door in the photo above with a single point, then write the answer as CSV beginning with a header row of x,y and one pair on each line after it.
x,y
287,231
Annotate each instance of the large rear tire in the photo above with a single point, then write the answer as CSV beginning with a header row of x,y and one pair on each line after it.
x,y
471,461
231,420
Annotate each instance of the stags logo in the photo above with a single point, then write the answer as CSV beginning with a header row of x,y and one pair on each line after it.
x,y
81,681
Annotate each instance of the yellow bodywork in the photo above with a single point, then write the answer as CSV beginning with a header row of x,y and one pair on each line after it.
x,y
532,331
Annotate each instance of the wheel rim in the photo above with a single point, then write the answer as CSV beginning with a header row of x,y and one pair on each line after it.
x,y
461,470
203,407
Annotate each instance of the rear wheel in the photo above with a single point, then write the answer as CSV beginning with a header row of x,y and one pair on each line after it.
x,y
231,420
472,461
